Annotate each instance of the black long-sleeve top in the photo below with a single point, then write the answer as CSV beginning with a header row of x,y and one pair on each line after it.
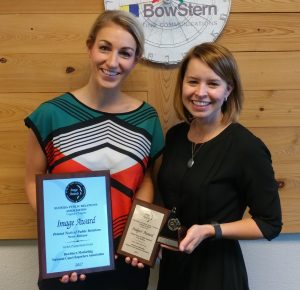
x,y
232,171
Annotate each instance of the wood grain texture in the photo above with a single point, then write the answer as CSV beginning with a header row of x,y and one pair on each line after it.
x,y
50,33
48,72
63,33
284,143
265,6
90,6
269,70
15,107
18,222
161,93
260,109
36,72
43,54
262,32
12,185
271,108
12,148
53,6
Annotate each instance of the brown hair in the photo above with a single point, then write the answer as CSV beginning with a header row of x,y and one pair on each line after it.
x,y
124,19
222,62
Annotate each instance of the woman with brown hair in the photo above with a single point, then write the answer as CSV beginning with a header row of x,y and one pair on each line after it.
x,y
213,168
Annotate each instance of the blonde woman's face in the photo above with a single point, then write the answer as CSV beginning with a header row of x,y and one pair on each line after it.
x,y
112,56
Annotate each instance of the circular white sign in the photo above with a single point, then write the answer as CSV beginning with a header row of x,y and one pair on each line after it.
x,y
172,27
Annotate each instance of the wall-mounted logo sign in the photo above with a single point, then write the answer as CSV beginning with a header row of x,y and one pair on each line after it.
x,y
172,27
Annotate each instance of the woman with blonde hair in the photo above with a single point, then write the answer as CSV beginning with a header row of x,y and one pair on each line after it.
x,y
99,127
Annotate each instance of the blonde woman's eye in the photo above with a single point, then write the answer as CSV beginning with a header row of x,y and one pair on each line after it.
x,y
104,48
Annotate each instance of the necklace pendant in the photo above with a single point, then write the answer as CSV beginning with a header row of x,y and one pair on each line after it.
x,y
190,163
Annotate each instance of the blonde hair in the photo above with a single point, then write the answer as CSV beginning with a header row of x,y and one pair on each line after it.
x,y
222,62
124,19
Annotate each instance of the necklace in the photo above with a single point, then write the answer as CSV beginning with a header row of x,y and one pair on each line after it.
x,y
195,150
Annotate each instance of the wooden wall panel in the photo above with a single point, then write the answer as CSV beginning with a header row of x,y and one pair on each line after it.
x,y
42,72
42,54
280,108
265,6
269,70
90,6
284,145
12,185
49,72
14,107
63,33
53,6
18,222
47,33
12,150
262,32
55,72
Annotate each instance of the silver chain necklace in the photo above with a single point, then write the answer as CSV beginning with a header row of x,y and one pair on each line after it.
x,y
195,150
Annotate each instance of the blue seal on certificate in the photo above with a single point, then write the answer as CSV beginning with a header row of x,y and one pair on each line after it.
x,y
75,191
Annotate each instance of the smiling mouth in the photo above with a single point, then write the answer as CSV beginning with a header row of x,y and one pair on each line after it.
x,y
201,103
109,73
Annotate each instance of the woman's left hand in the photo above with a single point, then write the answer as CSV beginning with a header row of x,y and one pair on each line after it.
x,y
194,236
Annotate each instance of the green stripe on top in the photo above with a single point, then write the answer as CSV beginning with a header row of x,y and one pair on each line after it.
x,y
66,111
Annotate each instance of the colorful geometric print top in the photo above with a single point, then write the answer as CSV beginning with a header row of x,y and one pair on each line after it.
x,y
76,138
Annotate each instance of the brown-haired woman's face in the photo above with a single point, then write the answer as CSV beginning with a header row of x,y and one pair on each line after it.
x,y
203,91
112,56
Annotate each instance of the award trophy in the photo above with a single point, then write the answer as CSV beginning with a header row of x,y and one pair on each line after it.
x,y
173,232
142,229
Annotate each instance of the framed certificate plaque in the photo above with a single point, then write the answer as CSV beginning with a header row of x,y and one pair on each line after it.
x,y
74,223
142,229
